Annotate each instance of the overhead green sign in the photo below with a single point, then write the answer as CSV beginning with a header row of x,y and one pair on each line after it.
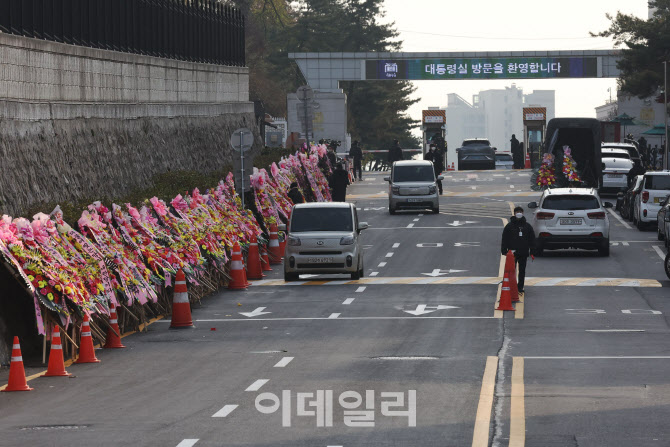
x,y
486,68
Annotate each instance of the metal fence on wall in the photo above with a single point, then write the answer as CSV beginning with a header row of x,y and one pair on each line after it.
x,y
190,30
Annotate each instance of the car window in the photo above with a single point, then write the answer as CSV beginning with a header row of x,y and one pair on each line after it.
x,y
571,203
476,142
657,182
321,219
421,173
503,157
616,154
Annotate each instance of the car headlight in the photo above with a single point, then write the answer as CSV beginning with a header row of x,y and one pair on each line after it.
x,y
292,240
347,240
432,189
395,189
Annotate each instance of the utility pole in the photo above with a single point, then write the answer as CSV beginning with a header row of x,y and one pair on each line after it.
x,y
665,113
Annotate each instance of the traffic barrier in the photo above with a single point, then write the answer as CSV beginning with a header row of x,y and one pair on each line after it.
x,y
17,374
86,349
181,306
273,247
254,267
527,165
265,262
56,366
113,339
505,295
510,266
238,279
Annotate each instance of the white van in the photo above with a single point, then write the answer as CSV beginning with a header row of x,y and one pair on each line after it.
x,y
655,188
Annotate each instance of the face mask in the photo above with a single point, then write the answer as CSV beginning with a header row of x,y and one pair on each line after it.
x,y
519,215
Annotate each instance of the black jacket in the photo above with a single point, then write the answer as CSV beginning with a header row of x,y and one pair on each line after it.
x,y
295,196
518,235
338,183
356,153
395,154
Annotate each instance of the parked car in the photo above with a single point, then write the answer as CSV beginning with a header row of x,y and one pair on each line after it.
x,y
323,238
571,218
628,198
655,186
504,160
616,164
412,185
663,220
476,153
633,153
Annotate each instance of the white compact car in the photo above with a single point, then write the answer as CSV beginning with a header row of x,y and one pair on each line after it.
x,y
655,187
504,160
412,185
323,237
571,218
615,173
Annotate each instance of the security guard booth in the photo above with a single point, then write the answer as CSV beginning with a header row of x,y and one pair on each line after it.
x,y
433,126
534,129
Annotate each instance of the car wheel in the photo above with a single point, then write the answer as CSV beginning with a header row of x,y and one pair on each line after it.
x,y
659,235
391,211
667,265
604,249
356,275
640,225
291,276
436,210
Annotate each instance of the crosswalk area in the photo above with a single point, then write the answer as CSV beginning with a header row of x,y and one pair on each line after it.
x,y
501,210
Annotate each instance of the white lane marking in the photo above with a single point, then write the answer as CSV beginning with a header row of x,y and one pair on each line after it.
x,y
283,362
659,252
225,411
258,311
257,385
511,186
382,264
361,289
623,222
389,254
342,318
348,301
396,245
420,215
507,178
333,316
188,443
374,273
622,357
415,220
410,226
615,330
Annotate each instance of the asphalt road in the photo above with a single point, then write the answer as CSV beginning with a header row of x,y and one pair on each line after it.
x,y
584,361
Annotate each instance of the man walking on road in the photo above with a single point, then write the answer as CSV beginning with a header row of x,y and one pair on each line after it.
x,y
519,237
338,183
357,154
516,152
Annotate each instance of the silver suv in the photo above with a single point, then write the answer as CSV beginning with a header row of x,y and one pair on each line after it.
x,y
571,218
412,185
323,238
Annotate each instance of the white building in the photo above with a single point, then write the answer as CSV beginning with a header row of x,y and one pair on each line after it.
x,y
494,114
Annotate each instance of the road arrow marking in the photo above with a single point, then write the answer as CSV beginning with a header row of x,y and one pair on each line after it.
x,y
255,313
423,309
458,223
466,244
440,272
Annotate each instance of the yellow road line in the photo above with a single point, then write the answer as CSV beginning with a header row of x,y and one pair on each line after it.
x,y
519,307
480,436
517,423
69,363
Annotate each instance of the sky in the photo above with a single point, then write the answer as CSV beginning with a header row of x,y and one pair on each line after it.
x,y
512,25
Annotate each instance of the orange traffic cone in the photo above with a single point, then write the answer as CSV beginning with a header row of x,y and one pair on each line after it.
x,y
527,165
265,262
56,366
505,295
254,267
86,349
17,375
273,248
510,266
113,340
181,307
238,279
282,245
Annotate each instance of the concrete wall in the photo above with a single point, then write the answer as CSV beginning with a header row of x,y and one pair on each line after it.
x,y
80,123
